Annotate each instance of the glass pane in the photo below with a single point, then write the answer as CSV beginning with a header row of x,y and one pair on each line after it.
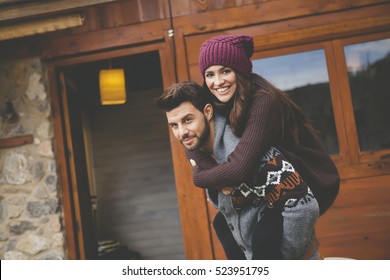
x,y
368,67
304,77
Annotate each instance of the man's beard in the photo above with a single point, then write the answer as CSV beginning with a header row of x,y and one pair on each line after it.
x,y
203,138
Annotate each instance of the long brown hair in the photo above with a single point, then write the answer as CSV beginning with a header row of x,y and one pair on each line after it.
x,y
293,118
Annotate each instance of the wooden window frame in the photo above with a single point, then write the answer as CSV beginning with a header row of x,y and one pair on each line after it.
x,y
351,161
357,156
343,156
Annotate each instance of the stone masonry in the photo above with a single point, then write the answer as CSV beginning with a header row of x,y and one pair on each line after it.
x,y
30,210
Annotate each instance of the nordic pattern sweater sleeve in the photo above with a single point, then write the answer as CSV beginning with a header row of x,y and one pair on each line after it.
x,y
261,132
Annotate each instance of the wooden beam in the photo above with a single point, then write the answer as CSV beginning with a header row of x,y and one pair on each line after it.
x,y
308,29
264,12
16,141
38,8
106,39
82,44
37,26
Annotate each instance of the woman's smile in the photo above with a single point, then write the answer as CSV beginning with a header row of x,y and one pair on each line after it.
x,y
222,89
221,81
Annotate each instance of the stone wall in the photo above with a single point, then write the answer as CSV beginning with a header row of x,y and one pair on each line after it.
x,y
30,211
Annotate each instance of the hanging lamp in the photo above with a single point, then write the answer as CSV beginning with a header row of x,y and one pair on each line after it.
x,y
112,86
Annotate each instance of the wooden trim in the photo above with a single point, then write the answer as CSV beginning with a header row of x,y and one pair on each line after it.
x,y
264,12
202,4
346,98
38,26
58,47
66,196
191,200
167,59
326,25
358,156
106,39
382,156
181,56
39,8
193,207
365,38
346,101
304,30
338,110
16,141
102,55
72,173
364,169
329,29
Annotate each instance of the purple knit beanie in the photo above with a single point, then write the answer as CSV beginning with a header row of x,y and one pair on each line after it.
x,y
233,51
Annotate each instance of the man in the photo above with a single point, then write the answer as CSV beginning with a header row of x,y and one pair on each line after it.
x,y
246,225
190,115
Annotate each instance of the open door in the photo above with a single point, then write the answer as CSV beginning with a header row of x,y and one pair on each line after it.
x,y
78,172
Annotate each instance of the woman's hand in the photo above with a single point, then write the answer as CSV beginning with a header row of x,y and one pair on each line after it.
x,y
227,190
193,163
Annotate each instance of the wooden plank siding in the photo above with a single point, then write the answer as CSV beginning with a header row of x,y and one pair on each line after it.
x,y
358,224
289,32
107,26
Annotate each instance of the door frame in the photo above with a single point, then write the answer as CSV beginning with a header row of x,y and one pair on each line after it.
x,y
74,239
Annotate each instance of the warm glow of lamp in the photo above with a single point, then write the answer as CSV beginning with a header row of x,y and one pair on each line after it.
x,y
112,86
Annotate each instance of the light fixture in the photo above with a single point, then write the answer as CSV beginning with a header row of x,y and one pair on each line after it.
x,y
112,86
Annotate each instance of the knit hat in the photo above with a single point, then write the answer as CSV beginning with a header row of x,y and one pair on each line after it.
x,y
233,51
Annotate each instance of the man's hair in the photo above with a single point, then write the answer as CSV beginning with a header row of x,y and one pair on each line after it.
x,y
178,93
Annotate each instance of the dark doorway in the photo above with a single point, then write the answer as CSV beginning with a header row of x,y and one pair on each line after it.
x,y
129,162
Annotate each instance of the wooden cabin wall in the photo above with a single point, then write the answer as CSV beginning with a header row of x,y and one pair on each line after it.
x,y
127,23
362,207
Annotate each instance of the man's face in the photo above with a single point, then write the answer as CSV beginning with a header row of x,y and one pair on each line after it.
x,y
189,125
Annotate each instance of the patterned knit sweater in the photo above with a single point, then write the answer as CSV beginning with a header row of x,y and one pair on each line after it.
x,y
264,130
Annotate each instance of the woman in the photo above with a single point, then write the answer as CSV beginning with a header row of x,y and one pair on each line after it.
x,y
260,120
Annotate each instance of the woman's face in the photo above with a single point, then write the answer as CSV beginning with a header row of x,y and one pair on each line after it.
x,y
221,81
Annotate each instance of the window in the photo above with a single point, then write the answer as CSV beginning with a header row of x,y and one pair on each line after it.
x,y
368,66
304,77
